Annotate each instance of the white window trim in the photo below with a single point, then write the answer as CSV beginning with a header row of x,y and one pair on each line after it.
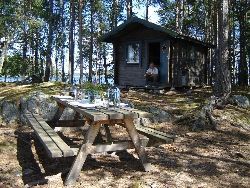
x,y
133,62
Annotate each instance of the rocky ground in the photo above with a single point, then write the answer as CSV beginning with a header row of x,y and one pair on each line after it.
x,y
200,158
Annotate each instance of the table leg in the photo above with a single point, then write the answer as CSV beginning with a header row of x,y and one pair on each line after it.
x,y
82,153
59,112
76,116
108,134
139,148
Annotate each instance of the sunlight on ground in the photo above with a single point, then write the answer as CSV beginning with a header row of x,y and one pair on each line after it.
x,y
197,159
13,93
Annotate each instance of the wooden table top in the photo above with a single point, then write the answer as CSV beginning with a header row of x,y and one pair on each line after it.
x,y
99,113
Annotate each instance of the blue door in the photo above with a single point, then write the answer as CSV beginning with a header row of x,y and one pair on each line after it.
x,y
164,62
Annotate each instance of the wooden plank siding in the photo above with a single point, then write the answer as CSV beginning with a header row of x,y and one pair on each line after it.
x,y
179,59
190,61
133,74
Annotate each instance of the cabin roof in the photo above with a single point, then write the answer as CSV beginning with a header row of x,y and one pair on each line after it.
x,y
133,21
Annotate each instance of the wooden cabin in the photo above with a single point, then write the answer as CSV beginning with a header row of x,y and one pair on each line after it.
x,y
181,60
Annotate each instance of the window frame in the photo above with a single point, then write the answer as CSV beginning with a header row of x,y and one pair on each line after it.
x,y
126,53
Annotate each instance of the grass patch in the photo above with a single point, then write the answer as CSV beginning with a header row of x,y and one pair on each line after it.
x,y
12,92
237,115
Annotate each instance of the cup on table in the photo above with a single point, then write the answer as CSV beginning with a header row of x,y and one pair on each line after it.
x,y
105,103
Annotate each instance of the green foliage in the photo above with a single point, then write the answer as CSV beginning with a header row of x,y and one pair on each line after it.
x,y
96,88
15,65
192,16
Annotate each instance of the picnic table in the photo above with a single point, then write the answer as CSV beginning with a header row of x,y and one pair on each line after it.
x,y
95,117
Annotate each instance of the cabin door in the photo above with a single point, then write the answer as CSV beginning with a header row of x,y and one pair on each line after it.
x,y
164,62
154,53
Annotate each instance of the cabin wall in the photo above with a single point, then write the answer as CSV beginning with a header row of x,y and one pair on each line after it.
x,y
133,74
189,64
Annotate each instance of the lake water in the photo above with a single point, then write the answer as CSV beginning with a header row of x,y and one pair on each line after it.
x,y
76,79
10,79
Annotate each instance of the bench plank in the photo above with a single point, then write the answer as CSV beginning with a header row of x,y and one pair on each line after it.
x,y
66,150
66,123
51,148
149,129
112,114
156,134
126,113
92,113
141,114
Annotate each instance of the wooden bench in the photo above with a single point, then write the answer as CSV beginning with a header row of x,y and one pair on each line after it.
x,y
154,134
56,147
51,141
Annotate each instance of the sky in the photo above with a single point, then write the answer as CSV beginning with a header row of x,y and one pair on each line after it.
x,y
152,12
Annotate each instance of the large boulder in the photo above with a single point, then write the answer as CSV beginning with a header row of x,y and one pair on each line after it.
x,y
35,102
239,100
146,121
40,103
160,115
9,112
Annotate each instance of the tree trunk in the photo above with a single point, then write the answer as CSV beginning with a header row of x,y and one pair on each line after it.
x,y
56,62
233,72
214,37
49,46
80,40
248,38
222,86
114,18
41,70
105,64
129,8
91,40
178,12
243,71
230,39
63,38
71,42
24,55
3,54
147,7
36,53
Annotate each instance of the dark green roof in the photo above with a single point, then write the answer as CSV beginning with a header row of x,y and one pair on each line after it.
x,y
111,36
108,37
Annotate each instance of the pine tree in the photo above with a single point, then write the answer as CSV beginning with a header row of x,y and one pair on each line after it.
x,y
50,43
222,86
80,9
71,42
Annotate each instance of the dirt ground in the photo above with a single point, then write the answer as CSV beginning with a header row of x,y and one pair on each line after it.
x,y
196,159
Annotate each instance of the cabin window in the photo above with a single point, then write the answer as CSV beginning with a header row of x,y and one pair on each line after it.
x,y
133,53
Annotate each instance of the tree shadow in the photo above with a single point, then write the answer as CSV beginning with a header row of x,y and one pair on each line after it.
x,y
235,162
236,134
31,162
204,168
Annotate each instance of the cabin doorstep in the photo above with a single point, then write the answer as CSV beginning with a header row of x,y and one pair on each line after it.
x,y
181,60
